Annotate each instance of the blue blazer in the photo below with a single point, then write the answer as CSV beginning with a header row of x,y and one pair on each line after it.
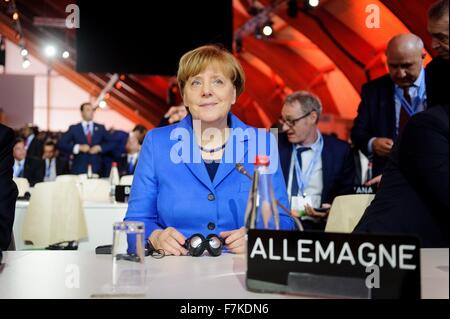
x,y
75,135
338,166
181,195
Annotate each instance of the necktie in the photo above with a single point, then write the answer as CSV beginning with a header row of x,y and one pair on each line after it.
x,y
89,135
48,167
19,172
300,150
404,116
130,166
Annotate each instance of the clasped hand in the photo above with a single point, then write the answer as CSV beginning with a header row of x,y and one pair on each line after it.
x,y
172,241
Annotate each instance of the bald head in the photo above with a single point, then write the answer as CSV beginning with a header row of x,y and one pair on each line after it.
x,y
405,56
405,42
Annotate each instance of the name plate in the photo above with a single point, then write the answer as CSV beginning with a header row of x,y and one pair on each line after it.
x,y
333,265
363,189
122,193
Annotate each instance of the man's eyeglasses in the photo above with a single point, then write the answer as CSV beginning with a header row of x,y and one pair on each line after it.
x,y
291,123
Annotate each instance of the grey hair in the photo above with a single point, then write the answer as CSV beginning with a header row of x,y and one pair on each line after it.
x,y
308,102
438,10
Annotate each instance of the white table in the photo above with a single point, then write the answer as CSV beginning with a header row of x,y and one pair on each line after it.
x,y
99,220
50,274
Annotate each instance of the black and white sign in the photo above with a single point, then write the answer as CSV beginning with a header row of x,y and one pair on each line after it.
x,y
333,264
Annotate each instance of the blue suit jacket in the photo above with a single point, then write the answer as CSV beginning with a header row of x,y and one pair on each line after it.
x,y
338,166
75,135
181,195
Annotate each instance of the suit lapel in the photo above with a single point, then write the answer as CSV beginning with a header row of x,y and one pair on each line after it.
x,y
81,132
95,136
327,165
390,105
285,150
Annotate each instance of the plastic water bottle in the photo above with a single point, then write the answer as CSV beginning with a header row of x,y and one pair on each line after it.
x,y
89,171
262,211
114,179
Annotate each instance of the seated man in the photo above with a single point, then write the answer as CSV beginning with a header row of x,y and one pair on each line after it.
x,y
128,162
33,145
26,167
321,168
52,165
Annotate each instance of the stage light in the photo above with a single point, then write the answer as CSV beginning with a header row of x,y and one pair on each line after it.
x,y
15,16
313,3
24,52
267,31
50,51
102,104
26,63
66,54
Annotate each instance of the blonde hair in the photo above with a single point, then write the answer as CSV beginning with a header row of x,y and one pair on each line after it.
x,y
197,60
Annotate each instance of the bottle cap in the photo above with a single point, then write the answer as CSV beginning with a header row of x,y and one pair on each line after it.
x,y
262,160
114,164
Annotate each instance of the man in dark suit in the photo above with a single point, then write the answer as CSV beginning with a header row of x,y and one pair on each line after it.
x,y
413,196
33,145
119,139
24,166
51,165
87,141
389,101
128,162
322,166
437,71
8,189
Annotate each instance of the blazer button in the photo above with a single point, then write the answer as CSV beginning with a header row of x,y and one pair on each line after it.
x,y
211,226
211,197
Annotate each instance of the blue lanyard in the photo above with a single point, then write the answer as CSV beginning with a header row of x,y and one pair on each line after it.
x,y
303,178
412,109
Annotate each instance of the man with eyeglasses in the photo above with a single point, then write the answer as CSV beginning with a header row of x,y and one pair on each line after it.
x,y
316,167
437,69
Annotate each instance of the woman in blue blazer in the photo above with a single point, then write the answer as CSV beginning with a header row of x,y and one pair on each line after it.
x,y
186,181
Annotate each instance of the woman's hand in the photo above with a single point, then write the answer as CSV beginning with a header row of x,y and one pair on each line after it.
x,y
170,240
235,240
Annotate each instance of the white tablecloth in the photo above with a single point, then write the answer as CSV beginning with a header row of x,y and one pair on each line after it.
x,y
99,219
77,274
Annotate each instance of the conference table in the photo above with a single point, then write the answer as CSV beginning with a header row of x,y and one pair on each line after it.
x,y
82,274
99,217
